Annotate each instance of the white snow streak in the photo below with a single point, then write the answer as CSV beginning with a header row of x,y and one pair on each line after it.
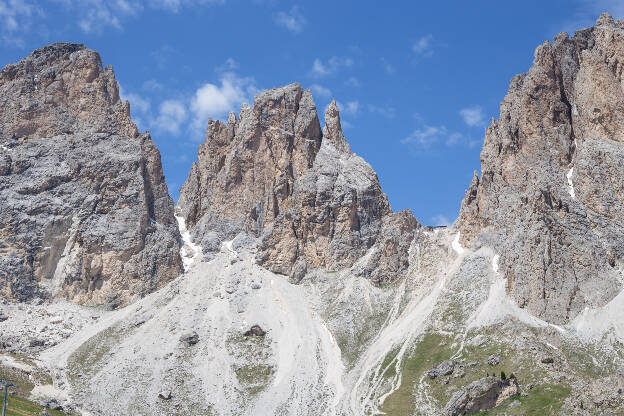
x,y
495,263
570,185
189,251
456,245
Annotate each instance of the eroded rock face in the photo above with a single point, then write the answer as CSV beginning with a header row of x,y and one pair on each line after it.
x,y
85,210
551,196
483,394
272,173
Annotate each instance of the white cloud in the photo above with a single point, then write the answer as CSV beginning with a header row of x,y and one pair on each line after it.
x,y
171,115
441,220
320,91
215,101
473,116
93,16
335,63
422,46
16,18
351,107
387,112
424,137
293,20
176,5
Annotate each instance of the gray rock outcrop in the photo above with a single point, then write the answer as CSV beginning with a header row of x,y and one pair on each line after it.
x,y
273,174
443,368
483,394
85,209
551,197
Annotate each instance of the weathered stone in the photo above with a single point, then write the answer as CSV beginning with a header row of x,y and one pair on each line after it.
x,y
443,368
273,174
255,331
86,213
190,338
550,197
165,395
480,395
494,360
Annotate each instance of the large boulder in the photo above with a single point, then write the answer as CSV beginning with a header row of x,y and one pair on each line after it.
x,y
483,394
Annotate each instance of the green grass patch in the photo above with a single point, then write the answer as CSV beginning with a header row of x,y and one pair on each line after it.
x,y
254,378
425,355
88,357
19,406
543,400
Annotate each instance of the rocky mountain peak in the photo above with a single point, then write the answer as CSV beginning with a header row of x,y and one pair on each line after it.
x,y
272,174
549,197
86,212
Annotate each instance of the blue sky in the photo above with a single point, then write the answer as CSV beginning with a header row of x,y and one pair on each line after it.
x,y
417,82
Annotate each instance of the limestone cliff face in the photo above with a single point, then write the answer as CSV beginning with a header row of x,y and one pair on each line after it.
x,y
85,211
551,194
273,174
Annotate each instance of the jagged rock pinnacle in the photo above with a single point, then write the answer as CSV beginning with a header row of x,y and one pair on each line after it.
x,y
332,131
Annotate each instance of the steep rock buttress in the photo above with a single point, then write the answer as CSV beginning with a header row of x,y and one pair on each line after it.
x,y
85,211
550,198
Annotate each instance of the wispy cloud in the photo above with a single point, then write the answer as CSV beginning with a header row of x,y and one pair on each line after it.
x,y
584,13
389,68
335,63
292,20
320,91
351,107
171,115
16,19
215,101
423,138
189,113
423,46
473,116
352,82
387,112
94,16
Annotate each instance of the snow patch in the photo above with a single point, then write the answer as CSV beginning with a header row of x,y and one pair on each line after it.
x,y
189,251
456,245
570,185
228,245
495,263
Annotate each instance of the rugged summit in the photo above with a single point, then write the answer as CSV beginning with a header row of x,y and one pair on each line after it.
x,y
85,211
551,197
273,174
